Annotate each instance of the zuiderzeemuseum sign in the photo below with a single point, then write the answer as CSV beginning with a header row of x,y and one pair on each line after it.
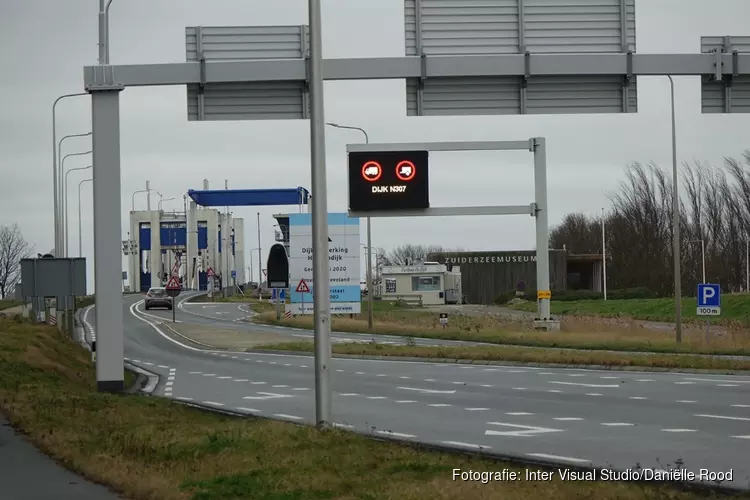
x,y
490,259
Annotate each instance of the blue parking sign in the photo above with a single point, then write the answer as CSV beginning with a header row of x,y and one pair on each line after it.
x,y
709,300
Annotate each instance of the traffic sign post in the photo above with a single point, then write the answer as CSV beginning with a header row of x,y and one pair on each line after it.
x,y
444,320
302,289
277,269
709,303
173,290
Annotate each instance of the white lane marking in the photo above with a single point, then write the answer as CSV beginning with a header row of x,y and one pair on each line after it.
x,y
553,390
170,383
645,380
723,417
576,374
300,389
583,385
429,380
235,357
741,437
528,430
148,364
741,406
284,415
490,369
560,458
567,419
518,413
224,378
404,377
440,405
340,371
618,424
727,385
163,366
466,445
486,385
136,361
458,383
519,388
546,373
281,386
426,391
251,410
305,366
593,394
241,380
342,426
476,409
287,364
685,383
395,434
380,375
258,383
637,397
405,401
679,430
349,394
718,380
686,401
608,377
213,403
209,374
184,399
268,395
516,371
376,397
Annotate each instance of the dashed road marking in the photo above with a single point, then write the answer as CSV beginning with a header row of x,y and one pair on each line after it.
x,y
376,397
305,366
440,405
148,364
195,373
163,366
209,374
560,458
679,430
280,386
241,380
287,364
359,373
396,434
727,385
340,371
486,385
258,383
250,410
349,394
645,380
213,403
617,424
597,386
637,397
404,377
685,383
609,378
476,409
224,378
380,375
300,389
519,388
723,417
686,401
405,401
593,394
718,380
740,406
553,391
184,399
567,419
516,371
458,383
518,413
546,373
741,437
429,380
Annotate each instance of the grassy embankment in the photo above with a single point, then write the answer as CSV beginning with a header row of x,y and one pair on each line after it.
x,y
8,303
578,332
154,449
735,308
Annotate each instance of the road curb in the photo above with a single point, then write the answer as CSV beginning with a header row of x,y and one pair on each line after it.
x,y
506,363
149,380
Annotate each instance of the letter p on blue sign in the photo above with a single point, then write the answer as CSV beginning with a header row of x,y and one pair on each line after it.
x,y
709,300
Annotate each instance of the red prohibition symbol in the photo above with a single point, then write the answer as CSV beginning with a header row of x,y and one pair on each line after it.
x,y
405,170
371,171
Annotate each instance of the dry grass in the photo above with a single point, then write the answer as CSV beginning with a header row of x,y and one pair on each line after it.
x,y
528,355
151,448
578,332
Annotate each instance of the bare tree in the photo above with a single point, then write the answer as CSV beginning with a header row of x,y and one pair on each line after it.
x,y
409,254
13,248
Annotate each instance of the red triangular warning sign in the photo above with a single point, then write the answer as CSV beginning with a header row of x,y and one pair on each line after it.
x,y
302,287
173,283
210,273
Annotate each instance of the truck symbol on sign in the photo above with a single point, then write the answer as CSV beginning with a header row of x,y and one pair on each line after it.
x,y
405,170
371,171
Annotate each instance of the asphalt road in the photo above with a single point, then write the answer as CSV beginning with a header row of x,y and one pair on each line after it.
x,y
571,416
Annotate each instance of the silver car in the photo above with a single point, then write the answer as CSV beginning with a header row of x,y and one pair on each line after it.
x,y
157,297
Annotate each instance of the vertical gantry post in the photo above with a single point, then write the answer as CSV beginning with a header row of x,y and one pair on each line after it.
x,y
539,148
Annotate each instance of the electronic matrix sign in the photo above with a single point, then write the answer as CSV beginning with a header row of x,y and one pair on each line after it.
x,y
393,180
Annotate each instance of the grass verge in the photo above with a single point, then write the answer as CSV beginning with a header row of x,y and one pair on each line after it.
x,y
527,355
153,449
735,307
578,332
8,303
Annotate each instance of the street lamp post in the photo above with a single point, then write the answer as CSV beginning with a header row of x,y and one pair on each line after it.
x,y
676,224
604,258
80,232
65,214
56,192
369,236
63,203
162,200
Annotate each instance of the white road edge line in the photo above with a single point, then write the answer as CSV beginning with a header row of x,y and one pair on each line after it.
x,y
466,445
724,417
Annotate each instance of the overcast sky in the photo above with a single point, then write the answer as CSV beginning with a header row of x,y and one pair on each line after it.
x,y
46,43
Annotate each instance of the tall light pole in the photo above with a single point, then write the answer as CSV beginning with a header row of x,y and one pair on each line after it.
x,y
162,200
80,231
260,261
55,183
104,31
604,258
321,271
132,199
676,224
369,235
65,214
63,203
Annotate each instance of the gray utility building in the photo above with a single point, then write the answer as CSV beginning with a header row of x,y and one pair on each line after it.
x,y
486,276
